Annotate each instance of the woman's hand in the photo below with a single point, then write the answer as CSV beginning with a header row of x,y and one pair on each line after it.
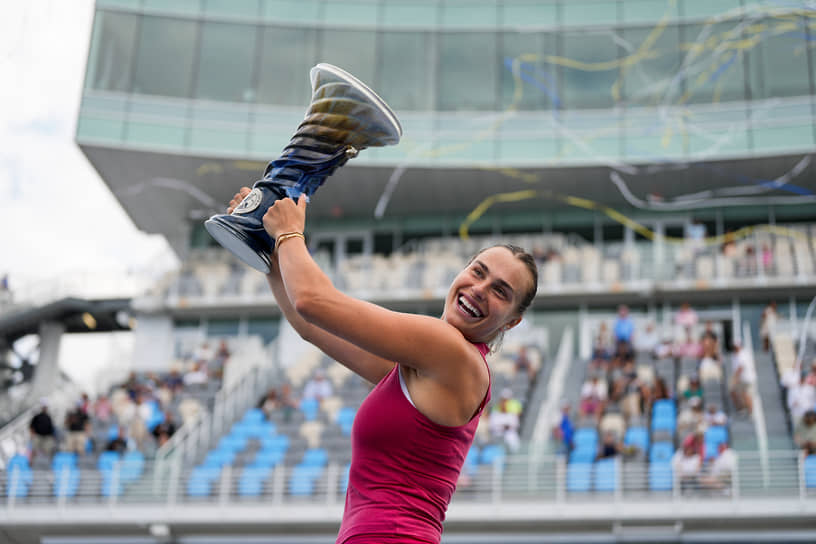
x,y
239,196
285,216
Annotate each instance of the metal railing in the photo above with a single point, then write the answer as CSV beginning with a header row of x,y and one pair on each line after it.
x,y
533,479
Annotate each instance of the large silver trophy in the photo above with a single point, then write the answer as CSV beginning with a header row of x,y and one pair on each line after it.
x,y
344,117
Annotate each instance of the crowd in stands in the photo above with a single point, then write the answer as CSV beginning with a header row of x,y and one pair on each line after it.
x,y
661,399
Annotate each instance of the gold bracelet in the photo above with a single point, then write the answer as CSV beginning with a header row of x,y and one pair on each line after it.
x,y
286,236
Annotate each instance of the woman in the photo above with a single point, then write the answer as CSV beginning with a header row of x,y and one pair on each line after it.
x,y
413,431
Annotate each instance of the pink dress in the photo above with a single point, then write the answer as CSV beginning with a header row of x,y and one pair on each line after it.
x,y
404,468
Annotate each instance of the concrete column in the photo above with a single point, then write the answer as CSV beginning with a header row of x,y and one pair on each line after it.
x,y
46,375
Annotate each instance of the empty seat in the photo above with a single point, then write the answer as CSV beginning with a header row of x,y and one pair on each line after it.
x,y
345,418
606,475
310,408
660,476
810,471
66,481
637,437
661,452
252,481
579,477
201,479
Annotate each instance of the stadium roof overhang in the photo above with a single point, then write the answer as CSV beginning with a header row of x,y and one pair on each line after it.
x,y
163,192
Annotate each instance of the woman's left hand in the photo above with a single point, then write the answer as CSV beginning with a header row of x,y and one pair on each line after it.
x,y
285,216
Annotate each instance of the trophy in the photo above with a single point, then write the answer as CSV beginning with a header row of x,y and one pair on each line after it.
x,y
344,117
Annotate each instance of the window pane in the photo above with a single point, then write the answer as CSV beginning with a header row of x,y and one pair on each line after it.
x,y
651,80
225,65
404,71
770,75
222,327
267,329
590,69
112,53
714,57
527,81
164,64
351,50
287,55
468,71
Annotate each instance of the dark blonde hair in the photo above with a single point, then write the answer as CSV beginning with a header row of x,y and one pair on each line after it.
x,y
529,263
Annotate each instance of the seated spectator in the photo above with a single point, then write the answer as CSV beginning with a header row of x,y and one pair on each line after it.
x,y
686,317
690,416
504,420
660,391
270,403
288,402
810,377
804,434
687,464
742,380
610,446
593,397
76,424
695,388
564,431
602,348
721,469
197,376
164,430
120,443
102,409
624,327
688,348
664,349
524,364
647,340
801,398
43,433
629,391
204,354
696,440
711,363
768,322
714,417
174,381
318,388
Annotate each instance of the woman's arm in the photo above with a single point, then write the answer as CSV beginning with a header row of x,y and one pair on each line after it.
x,y
424,343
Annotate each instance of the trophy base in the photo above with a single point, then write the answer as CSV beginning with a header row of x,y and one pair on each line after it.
x,y
239,243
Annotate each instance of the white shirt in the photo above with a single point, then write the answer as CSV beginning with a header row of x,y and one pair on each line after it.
x,y
596,390
742,360
500,422
686,465
801,398
646,341
317,389
724,464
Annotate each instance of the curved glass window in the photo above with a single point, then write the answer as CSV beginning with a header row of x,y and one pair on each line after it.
x,y
286,56
164,59
651,61
112,54
713,62
225,62
590,69
468,71
528,82
405,65
352,50
771,41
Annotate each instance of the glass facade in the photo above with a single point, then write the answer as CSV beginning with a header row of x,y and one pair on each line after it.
x,y
558,82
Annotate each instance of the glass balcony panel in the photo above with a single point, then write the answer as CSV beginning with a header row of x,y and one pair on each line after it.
x,y
99,127
647,11
301,11
534,14
468,14
156,134
220,127
112,51
528,82
706,144
233,8
713,56
180,7
226,59
590,13
118,3
707,8
164,61
589,69
770,41
287,55
354,13
405,69
352,50
468,71
785,138
271,131
415,13
651,65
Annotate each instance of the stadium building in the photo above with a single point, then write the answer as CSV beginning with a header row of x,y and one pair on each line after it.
x,y
650,153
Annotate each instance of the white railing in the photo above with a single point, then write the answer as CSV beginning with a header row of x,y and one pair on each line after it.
x,y
555,387
758,411
543,479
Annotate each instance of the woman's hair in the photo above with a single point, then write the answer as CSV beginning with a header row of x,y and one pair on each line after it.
x,y
529,263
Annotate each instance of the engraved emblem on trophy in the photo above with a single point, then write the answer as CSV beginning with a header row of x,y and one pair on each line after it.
x,y
344,117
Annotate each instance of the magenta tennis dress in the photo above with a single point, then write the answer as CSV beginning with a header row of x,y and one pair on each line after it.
x,y
404,468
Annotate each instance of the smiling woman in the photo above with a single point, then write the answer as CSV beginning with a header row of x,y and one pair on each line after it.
x,y
413,431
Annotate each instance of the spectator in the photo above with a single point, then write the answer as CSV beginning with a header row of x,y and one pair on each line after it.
x,y
742,380
593,397
102,409
318,388
688,348
686,317
76,423
204,354
610,446
721,469
714,417
164,430
691,416
120,443
801,398
524,364
711,364
767,324
197,375
660,391
85,403
695,388
805,433
647,341
174,381
624,326
270,403
810,378
629,391
767,259
687,464
602,349
504,420
564,431
43,434
288,402
696,440
665,349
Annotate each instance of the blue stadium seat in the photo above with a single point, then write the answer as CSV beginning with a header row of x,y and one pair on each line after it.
x,y
107,461
201,479
810,471
268,458
17,461
315,457
252,481
18,477
132,466
661,452
344,478
233,443
345,418
586,437
254,415
716,434
113,432
66,481
664,408
583,455
491,454
664,422
310,408
275,442
579,477
472,460
638,437
219,458
63,459
660,476
302,481
606,475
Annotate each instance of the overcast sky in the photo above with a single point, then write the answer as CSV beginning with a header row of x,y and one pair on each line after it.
x,y
57,218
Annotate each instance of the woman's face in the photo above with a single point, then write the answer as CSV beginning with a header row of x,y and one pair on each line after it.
x,y
485,296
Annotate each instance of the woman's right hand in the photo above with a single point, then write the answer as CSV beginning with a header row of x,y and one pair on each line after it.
x,y
239,196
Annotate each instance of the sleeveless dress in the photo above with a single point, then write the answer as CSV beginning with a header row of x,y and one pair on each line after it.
x,y
404,468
